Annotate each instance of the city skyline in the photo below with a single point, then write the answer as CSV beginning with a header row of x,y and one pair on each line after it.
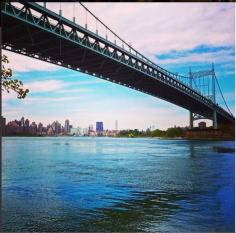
x,y
96,126
55,91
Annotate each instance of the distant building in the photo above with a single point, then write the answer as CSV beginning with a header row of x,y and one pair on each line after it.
x,y
62,130
40,128
56,126
74,131
70,127
99,126
48,126
33,128
93,133
85,132
67,127
27,123
50,131
13,128
90,128
22,122
79,131
202,125
3,125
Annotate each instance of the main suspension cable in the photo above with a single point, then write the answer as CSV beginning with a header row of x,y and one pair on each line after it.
x,y
222,95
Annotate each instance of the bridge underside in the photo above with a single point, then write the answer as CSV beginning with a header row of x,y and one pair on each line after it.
x,y
29,40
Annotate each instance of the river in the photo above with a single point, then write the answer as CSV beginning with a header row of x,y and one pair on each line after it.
x,y
116,184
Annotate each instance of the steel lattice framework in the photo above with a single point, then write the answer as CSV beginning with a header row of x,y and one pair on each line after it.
x,y
37,32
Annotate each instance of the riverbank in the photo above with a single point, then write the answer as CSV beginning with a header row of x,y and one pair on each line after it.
x,y
160,138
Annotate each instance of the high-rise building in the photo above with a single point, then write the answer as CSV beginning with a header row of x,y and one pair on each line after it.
x,y
56,126
59,128
26,126
67,126
40,128
27,123
22,122
99,126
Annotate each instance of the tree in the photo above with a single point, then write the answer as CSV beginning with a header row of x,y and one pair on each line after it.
x,y
174,132
11,84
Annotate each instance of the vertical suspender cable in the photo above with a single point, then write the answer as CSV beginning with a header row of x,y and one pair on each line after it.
x,y
208,83
74,12
86,19
204,91
60,13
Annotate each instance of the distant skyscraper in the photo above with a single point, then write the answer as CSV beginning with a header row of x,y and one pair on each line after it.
x,y
22,122
99,126
67,126
27,123
56,126
116,125
40,128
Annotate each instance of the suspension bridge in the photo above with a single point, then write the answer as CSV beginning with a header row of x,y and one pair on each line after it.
x,y
35,31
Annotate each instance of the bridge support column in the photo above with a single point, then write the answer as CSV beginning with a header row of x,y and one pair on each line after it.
x,y
190,120
215,125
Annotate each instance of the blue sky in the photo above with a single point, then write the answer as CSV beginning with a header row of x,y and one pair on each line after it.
x,y
175,43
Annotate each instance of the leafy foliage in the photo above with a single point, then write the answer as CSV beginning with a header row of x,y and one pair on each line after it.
x,y
11,84
169,133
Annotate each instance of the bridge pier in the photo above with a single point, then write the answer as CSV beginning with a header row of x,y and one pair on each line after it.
x,y
190,120
215,125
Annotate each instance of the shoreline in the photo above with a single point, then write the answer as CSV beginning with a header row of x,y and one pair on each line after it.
x,y
160,138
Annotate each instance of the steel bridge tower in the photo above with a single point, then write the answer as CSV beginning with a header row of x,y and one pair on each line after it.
x,y
204,83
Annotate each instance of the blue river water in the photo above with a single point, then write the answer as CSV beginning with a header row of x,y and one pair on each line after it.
x,y
86,184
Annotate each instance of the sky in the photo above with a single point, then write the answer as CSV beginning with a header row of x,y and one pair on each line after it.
x,y
175,36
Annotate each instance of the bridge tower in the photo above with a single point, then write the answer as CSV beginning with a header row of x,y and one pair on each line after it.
x,y
204,83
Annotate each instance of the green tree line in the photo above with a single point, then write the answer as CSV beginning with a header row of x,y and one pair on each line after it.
x,y
170,132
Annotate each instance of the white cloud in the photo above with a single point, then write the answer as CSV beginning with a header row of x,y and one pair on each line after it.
x,y
45,86
208,57
8,96
162,27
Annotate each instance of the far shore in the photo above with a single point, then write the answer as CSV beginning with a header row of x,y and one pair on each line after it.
x,y
160,138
